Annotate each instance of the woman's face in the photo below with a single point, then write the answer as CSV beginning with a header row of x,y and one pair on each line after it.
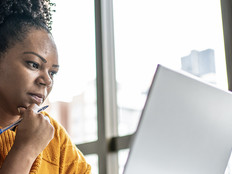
x,y
27,70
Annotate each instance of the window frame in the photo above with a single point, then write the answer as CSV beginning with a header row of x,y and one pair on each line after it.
x,y
226,11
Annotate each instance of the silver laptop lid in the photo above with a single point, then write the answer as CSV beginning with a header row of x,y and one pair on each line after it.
x,y
185,128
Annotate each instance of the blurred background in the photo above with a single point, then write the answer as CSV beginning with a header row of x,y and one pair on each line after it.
x,y
108,53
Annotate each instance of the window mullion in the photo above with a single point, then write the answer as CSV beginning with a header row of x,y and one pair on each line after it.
x,y
110,96
227,26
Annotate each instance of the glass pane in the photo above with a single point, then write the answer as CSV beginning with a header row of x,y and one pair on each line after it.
x,y
73,99
178,34
93,161
122,158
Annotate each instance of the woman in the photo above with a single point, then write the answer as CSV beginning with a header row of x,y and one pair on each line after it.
x,y
28,62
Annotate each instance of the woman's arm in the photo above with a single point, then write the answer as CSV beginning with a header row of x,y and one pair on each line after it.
x,y
31,138
18,161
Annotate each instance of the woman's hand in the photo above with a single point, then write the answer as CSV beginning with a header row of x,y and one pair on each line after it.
x,y
34,132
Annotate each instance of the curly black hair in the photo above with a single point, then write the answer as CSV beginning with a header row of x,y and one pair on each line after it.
x,y
17,17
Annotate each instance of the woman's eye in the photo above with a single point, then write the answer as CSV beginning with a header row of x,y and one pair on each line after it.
x,y
33,64
52,73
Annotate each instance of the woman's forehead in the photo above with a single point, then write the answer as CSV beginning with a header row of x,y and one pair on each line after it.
x,y
36,43
39,41
39,38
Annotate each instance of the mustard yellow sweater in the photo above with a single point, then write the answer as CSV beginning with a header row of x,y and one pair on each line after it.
x,y
60,156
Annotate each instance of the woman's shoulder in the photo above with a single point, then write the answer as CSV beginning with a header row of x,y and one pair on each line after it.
x,y
63,151
59,141
59,131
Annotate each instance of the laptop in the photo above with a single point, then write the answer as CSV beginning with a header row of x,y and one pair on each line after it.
x,y
185,127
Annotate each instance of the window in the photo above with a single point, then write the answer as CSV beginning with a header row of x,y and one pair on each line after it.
x,y
109,50
183,35
178,34
74,94
73,99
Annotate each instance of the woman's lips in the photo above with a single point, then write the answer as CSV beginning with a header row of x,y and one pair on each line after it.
x,y
37,98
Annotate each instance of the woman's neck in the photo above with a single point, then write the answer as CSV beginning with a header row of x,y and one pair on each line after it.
x,y
7,118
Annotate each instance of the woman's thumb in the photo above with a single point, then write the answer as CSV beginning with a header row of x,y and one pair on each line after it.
x,y
21,110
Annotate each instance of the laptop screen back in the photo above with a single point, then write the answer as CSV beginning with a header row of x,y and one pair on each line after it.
x,y
185,128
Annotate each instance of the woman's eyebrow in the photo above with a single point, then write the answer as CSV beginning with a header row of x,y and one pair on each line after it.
x,y
55,66
43,59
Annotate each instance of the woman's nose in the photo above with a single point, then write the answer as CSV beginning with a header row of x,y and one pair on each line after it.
x,y
44,80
